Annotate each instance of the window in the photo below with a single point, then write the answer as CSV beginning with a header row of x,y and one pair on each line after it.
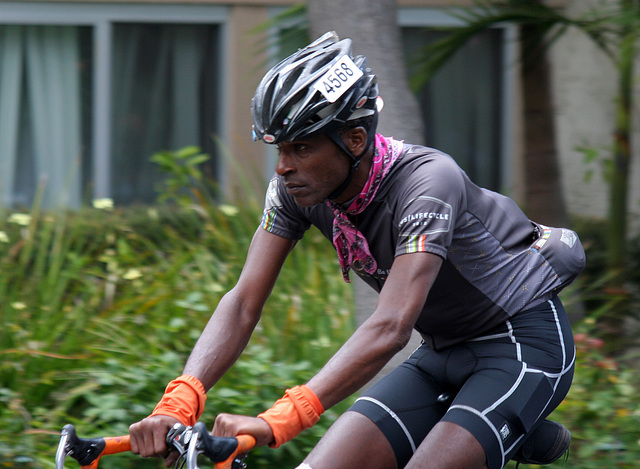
x,y
44,75
88,92
468,107
462,103
163,80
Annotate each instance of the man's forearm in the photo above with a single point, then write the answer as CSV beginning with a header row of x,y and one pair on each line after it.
x,y
222,341
357,362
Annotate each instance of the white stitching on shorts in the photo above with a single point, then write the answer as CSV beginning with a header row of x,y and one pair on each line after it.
x,y
394,416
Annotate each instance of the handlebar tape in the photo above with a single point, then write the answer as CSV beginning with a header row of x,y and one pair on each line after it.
x,y
223,450
244,444
112,445
88,451
117,444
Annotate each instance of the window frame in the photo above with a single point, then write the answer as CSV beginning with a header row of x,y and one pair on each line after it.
x,y
101,18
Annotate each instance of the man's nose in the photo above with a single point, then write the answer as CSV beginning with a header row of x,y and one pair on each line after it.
x,y
284,164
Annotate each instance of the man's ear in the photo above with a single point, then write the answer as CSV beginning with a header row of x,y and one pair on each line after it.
x,y
356,140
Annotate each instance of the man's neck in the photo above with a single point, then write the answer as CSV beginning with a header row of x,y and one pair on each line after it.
x,y
359,180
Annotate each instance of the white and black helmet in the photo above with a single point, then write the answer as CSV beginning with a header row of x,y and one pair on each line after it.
x,y
316,90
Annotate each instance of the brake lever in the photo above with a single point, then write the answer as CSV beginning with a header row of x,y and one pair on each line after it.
x,y
178,438
193,451
61,452
228,449
88,451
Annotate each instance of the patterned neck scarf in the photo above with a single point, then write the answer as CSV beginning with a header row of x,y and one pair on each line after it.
x,y
352,247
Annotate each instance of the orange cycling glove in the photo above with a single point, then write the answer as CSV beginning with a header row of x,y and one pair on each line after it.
x,y
298,410
183,399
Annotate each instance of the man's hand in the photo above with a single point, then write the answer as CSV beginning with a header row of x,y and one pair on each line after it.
x,y
148,438
233,425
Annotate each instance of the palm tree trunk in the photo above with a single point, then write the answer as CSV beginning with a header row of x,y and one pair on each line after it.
x,y
544,199
613,323
373,27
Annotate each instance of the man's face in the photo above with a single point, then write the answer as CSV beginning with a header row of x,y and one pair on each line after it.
x,y
311,168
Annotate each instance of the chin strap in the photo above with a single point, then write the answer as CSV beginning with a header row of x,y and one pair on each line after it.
x,y
355,160
352,170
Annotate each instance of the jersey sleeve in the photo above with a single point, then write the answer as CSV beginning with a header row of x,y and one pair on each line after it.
x,y
435,195
281,216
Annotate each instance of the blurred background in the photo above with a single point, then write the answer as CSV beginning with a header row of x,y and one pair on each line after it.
x,y
130,188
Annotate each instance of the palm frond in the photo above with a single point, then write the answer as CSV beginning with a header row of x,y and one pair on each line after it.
x,y
544,25
292,31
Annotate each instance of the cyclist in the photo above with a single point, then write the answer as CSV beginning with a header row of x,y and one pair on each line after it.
x,y
462,265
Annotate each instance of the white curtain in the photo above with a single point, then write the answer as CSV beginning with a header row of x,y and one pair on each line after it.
x,y
40,115
10,92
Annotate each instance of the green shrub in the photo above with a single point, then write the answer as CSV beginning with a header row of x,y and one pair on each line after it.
x,y
101,307
602,408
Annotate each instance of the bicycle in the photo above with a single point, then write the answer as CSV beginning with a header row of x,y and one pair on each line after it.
x,y
190,442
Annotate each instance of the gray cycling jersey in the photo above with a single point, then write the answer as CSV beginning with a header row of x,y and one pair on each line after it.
x,y
496,261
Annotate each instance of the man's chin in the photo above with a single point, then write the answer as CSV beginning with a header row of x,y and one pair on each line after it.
x,y
307,201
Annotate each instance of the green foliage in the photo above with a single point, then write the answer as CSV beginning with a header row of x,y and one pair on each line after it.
x,y
602,408
292,26
182,172
601,297
595,157
604,24
101,307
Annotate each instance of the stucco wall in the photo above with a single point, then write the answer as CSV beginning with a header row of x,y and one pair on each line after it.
x,y
584,83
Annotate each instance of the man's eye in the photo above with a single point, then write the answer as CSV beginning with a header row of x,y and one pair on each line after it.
x,y
300,147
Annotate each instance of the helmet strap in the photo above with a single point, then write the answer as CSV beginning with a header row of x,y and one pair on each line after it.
x,y
355,160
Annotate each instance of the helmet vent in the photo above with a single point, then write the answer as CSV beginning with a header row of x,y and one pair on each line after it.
x,y
321,64
290,80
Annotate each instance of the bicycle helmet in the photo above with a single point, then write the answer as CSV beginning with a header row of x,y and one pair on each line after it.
x,y
316,90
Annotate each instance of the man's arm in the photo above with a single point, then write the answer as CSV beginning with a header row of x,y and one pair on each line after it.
x,y
370,347
225,335
384,333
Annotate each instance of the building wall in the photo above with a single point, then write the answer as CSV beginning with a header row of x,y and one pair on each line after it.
x,y
585,82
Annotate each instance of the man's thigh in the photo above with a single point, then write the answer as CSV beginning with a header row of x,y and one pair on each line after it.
x,y
405,405
353,441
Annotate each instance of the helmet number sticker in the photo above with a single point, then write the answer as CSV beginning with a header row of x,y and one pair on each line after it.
x,y
340,77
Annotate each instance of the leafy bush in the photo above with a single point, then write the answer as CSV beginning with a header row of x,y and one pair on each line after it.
x,y
602,408
101,307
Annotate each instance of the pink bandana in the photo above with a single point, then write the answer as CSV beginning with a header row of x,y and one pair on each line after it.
x,y
352,247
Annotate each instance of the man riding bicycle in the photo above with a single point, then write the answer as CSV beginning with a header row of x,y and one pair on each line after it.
x,y
460,264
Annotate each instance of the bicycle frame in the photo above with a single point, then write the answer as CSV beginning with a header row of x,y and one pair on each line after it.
x,y
190,442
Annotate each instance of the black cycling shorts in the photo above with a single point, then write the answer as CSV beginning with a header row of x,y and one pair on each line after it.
x,y
498,386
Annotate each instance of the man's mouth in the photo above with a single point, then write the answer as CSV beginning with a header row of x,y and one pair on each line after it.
x,y
293,188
